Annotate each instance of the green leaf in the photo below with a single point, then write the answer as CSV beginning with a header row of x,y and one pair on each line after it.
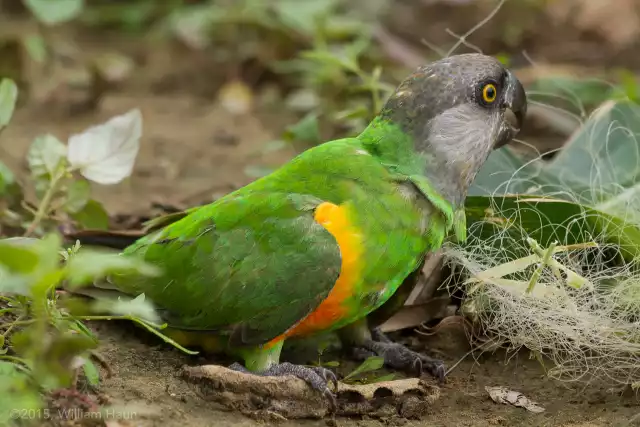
x,y
48,249
370,364
18,258
45,155
8,98
571,93
192,25
78,194
92,215
10,190
88,265
137,307
52,359
91,372
599,166
272,146
15,387
303,15
36,47
257,171
29,266
383,378
544,219
306,130
52,12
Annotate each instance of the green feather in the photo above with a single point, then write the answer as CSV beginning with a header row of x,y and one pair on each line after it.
x,y
460,225
230,267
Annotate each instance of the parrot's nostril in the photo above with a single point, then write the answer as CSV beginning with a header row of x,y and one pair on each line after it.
x,y
512,120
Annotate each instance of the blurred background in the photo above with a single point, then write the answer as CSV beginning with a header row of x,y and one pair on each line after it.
x,y
230,89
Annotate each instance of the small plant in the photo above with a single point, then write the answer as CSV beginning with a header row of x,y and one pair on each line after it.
x,y
324,49
42,338
62,173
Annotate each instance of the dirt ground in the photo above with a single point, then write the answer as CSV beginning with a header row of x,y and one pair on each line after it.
x,y
146,379
192,150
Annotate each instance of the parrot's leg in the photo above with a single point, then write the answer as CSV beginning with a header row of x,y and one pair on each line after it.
x,y
265,362
364,343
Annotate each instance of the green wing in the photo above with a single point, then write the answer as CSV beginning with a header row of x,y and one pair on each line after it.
x,y
250,265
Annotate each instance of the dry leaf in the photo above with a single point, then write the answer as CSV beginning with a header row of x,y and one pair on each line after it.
x,y
510,397
290,397
410,316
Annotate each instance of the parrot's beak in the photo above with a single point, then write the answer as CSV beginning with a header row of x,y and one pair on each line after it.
x,y
515,108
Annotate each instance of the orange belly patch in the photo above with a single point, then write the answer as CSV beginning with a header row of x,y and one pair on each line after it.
x,y
335,220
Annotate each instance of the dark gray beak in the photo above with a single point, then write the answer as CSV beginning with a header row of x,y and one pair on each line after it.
x,y
514,104
515,98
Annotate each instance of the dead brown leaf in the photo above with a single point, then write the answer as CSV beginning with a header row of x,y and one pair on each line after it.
x,y
291,397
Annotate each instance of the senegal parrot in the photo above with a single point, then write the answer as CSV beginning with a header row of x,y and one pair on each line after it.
x,y
322,243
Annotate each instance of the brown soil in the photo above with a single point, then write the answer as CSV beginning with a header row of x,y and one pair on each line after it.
x,y
193,149
147,387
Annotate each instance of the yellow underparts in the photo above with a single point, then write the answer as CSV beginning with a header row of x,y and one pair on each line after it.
x,y
335,220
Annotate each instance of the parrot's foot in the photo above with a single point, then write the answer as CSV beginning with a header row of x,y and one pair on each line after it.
x,y
317,377
399,357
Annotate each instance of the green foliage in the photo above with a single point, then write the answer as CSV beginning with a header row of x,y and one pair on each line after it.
x,y
580,95
8,98
587,191
336,71
365,373
53,12
599,166
43,339
55,167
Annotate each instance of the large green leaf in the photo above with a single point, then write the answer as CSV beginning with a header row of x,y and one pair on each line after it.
x,y
598,166
499,220
590,189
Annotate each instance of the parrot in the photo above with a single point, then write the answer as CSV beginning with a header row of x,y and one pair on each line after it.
x,y
332,240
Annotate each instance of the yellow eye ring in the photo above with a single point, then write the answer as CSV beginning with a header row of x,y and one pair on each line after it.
x,y
489,93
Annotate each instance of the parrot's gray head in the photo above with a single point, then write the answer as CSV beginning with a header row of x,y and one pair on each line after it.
x,y
457,110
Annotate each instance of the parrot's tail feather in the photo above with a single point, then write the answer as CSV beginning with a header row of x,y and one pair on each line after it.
x,y
110,239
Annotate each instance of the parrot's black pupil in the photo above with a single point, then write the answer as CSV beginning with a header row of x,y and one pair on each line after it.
x,y
491,92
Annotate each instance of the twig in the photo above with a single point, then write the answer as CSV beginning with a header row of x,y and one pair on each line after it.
x,y
149,326
479,25
467,354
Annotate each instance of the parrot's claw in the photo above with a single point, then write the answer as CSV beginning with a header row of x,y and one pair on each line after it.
x,y
399,357
317,377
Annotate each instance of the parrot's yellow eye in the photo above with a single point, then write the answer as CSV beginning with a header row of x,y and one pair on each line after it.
x,y
489,93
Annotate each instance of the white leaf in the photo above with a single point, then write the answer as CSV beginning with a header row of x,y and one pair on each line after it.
x,y
106,153
136,307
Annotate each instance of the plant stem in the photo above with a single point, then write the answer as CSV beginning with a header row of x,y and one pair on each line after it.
x,y
546,257
43,207
149,326
18,321
13,359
